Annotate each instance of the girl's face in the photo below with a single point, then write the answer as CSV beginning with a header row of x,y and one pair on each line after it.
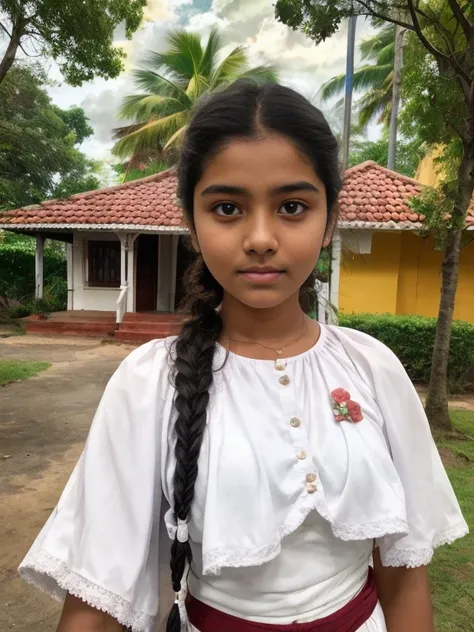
x,y
260,214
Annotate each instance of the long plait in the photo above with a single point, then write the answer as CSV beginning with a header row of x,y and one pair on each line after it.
x,y
193,376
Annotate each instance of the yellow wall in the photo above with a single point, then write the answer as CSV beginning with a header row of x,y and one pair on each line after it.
x,y
369,283
402,275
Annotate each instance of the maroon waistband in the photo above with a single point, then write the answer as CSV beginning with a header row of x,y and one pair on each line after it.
x,y
348,619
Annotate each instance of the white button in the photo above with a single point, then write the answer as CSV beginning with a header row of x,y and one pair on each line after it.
x,y
285,380
311,488
301,455
295,422
311,477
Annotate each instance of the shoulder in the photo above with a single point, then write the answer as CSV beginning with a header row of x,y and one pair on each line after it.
x,y
367,353
146,366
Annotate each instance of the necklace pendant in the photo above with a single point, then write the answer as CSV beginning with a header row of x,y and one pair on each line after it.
x,y
279,352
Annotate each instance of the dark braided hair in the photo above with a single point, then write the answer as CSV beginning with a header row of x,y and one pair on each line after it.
x,y
243,110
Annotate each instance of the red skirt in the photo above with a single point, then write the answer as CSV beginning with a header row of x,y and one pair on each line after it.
x,y
348,619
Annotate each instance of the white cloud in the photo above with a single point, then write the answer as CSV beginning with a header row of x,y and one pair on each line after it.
x,y
302,65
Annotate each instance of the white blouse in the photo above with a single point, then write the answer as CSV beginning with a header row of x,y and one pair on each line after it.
x,y
288,499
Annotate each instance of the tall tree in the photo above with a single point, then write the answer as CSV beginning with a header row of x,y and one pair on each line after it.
x,y
445,29
39,155
171,82
78,35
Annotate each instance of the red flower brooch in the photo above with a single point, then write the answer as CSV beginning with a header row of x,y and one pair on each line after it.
x,y
344,408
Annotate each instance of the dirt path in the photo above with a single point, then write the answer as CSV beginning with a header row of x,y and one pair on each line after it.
x,y
43,424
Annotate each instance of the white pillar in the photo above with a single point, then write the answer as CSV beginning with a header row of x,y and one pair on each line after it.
x,y
39,257
335,276
174,266
70,276
131,238
123,258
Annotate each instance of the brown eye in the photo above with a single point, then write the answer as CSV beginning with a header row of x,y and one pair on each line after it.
x,y
292,208
226,209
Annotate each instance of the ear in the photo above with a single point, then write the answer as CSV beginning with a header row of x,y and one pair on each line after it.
x,y
330,228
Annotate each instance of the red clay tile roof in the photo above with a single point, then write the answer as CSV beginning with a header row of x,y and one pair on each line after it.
x,y
148,202
374,194
372,197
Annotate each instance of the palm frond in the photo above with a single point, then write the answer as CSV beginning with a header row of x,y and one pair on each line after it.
x,y
208,61
183,57
234,64
154,83
150,135
371,106
370,48
176,138
370,77
333,87
142,106
197,86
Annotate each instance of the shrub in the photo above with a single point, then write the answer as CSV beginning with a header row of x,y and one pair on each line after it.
x,y
17,276
411,338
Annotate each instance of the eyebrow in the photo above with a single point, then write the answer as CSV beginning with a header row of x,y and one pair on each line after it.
x,y
291,187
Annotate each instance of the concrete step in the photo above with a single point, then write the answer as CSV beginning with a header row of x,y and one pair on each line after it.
x,y
70,329
149,325
152,317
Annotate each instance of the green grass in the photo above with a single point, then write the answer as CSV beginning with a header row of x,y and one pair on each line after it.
x,y
452,570
13,370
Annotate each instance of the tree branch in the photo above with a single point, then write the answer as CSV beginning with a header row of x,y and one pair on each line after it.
x,y
461,18
4,28
386,18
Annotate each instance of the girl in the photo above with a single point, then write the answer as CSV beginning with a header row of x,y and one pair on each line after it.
x,y
292,462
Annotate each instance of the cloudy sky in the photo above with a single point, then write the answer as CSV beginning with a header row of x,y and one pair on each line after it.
x,y
302,65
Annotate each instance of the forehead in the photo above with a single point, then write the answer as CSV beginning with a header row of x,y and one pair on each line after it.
x,y
257,164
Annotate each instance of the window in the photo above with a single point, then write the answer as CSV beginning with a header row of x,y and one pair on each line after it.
x,y
104,263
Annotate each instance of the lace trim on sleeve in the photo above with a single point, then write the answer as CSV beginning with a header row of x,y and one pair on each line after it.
x,y
52,576
413,558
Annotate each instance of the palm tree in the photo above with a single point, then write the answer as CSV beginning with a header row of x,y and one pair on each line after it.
x,y
170,83
374,78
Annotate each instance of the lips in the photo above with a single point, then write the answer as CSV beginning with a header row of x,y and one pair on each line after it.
x,y
262,275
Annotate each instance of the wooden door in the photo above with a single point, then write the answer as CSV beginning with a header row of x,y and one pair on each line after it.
x,y
147,273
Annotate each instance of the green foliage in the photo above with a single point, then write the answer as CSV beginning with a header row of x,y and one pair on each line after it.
x,y
128,172
411,338
38,153
78,35
374,80
17,277
171,83
409,154
437,209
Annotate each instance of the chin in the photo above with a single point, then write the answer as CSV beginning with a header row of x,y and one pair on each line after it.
x,y
262,300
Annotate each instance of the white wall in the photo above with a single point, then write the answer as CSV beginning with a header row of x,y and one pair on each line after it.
x,y
84,297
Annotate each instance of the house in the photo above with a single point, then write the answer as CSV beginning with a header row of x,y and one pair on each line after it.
x,y
394,267
126,254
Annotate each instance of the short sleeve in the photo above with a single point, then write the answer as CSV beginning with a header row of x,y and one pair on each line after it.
x,y
433,513
101,542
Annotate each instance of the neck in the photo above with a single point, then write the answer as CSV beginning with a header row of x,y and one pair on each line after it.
x,y
242,322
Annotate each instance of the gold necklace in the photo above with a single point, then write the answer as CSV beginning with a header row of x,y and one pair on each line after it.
x,y
278,350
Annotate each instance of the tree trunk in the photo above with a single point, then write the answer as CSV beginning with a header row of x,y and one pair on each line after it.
x,y
397,75
437,399
12,48
349,89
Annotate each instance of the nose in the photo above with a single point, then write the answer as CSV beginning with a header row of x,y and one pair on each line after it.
x,y
261,237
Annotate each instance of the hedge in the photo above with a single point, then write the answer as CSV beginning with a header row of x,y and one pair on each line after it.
x,y
411,338
17,274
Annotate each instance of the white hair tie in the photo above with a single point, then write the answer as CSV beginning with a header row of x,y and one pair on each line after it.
x,y
182,532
